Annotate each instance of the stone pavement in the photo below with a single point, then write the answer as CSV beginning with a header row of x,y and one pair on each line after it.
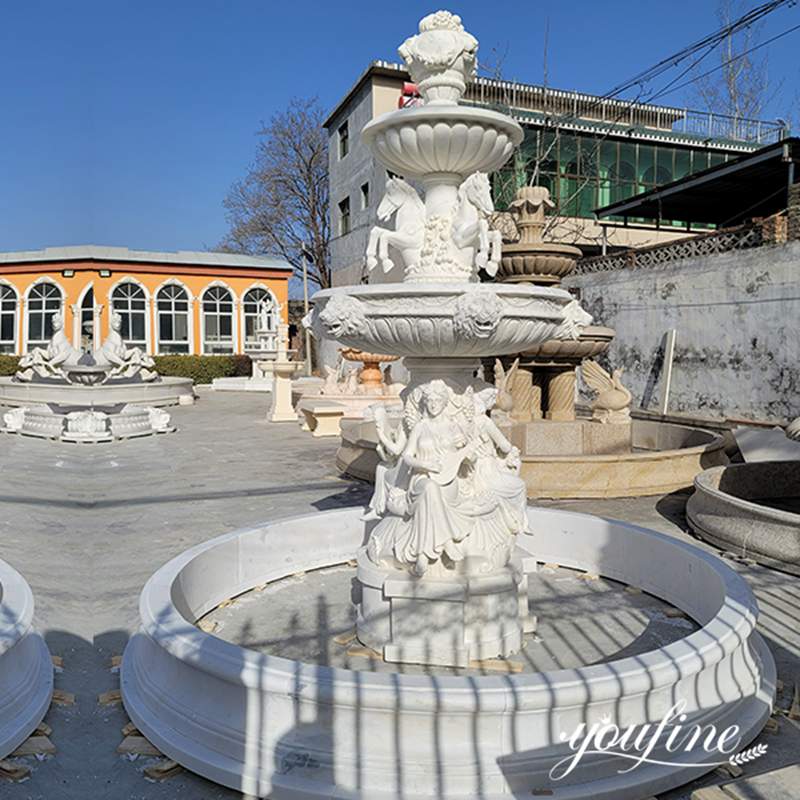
x,y
87,525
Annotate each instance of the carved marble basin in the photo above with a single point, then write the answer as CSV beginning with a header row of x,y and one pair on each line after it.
x,y
442,139
86,374
593,341
353,354
455,320
547,262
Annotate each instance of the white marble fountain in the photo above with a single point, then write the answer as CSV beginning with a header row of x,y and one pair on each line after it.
x,y
444,550
114,393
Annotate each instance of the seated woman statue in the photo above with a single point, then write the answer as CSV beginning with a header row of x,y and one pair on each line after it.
x,y
125,362
49,362
428,516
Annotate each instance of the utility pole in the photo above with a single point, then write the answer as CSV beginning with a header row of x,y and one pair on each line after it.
x,y
306,256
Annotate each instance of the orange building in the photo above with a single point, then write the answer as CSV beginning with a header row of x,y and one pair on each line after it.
x,y
184,302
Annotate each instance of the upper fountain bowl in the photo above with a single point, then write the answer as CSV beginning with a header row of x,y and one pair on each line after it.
x,y
439,139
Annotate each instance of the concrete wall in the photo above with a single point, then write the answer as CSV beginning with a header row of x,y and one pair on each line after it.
x,y
737,317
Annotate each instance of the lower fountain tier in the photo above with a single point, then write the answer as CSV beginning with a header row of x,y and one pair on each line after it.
x,y
444,622
26,669
91,426
167,391
660,458
265,725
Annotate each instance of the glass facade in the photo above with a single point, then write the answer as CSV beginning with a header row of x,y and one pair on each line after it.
x,y
584,172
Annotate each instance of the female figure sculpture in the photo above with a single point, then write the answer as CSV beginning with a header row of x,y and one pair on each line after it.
x,y
390,447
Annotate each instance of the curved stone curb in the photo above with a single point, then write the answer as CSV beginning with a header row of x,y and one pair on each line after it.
x,y
724,511
169,391
266,725
26,670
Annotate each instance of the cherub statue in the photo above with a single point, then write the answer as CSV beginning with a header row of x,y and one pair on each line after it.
x,y
391,441
332,378
613,400
124,362
49,362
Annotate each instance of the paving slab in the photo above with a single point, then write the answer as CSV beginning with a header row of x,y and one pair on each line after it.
x,y
88,526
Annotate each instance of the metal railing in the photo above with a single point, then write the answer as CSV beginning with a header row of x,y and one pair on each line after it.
x,y
703,244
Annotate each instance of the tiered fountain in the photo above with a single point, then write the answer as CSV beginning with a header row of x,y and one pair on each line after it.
x,y
444,551
63,394
564,455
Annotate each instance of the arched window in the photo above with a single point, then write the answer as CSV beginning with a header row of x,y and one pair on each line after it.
x,y
8,320
260,317
128,300
44,300
217,320
172,309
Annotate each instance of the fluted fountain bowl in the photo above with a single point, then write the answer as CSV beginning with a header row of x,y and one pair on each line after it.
x,y
87,374
545,262
445,320
593,341
442,139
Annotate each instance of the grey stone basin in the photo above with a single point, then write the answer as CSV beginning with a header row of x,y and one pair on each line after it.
x,y
751,509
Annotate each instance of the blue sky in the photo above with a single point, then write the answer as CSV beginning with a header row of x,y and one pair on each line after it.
x,y
124,123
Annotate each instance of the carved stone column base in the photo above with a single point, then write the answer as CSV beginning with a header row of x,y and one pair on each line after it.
x,y
442,621
561,395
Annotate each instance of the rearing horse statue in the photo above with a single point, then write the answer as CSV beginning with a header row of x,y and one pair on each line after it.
x,y
470,230
402,199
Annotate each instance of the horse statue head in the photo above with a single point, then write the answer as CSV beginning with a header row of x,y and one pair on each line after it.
x,y
398,193
477,192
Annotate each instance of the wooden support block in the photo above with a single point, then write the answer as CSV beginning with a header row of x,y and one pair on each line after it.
x,y
129,728
110,698
772,726
226,603
497,665
344,638
550,565
710,793
116,662
207,625
14,772
167,768
794,711
633,590
62,698
588,576
541,792
352,563
359,651
58,662
729,771
35,746
260,587
675,613
137,746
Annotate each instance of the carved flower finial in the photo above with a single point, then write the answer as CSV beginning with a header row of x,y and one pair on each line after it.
x,y
441,58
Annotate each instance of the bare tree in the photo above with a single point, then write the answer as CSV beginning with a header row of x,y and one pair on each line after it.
x,y
739,86
282,203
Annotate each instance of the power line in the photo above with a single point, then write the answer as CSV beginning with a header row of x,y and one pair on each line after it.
x,y
724,64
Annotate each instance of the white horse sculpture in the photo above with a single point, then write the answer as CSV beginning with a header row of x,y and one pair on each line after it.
x,y
470,230
402,199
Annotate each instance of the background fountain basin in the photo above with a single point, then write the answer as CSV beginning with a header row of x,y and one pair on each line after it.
x,y
441,320
268,725
427,140
168,391
26,671
752,509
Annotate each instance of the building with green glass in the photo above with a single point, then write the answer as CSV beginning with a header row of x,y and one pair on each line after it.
x,y
589,151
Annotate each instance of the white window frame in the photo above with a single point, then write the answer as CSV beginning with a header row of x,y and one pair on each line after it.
x,y
249,346
37,284
234,326
189,321
130,281
13,312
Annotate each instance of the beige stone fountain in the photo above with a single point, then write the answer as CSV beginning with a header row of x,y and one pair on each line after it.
x,y
563,455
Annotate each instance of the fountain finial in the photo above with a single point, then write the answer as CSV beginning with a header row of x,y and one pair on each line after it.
x,y
441,58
